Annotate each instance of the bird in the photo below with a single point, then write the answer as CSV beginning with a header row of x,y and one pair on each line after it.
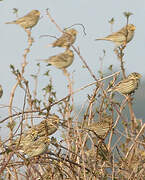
x,y
46,127
1,91
37,147
100,127
121,37
66,40
29,145
128,85
24,140
62,60
27,21
36,134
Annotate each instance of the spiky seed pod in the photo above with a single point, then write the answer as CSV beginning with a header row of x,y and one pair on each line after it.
x,y
1,91
62,60
27,21
128,85
121,37
67,39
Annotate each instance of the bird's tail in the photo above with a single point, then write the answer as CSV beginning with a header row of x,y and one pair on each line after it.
x,y
49,45
106,39
42,60
12,22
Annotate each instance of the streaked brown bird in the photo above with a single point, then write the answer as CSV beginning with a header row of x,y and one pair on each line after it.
x,y
30,145
121,37
46,127
101,127
22,142
66,40
36,134
128,85
36,148
25,139
62,60
27,21
1,91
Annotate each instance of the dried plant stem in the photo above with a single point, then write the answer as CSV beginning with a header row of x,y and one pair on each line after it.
x,y
120,55
137,136
5,163
36,83
116,122
27,50
10,106
76,91
84,62
53,21
68,112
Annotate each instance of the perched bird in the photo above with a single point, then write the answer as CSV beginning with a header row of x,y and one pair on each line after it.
x,y
121,37
36,134
37,147
101,127
29,145
98,154
24,140
62,60
66,40
46,127
27,21
128,85
1,91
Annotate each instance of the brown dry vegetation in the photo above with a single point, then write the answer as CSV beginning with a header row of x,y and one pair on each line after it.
x,y
80,154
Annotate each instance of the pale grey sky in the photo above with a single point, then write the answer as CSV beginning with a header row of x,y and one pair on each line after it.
x,y
94,15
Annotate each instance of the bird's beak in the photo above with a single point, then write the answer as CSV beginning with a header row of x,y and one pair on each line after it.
x,y
133,28
38,13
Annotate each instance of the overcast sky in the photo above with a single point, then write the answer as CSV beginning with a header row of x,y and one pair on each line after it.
x,y
94,15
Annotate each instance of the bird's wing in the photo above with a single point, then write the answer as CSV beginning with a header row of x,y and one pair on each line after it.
x,y
61,40
59,58
117,36
125,83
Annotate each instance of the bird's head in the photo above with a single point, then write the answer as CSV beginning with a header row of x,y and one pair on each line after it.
x,y
135,75
131,27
